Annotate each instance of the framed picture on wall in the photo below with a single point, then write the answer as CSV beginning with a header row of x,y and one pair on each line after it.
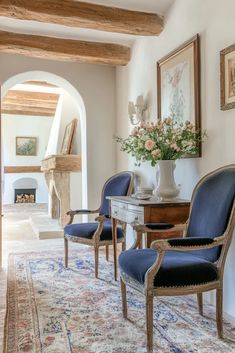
x,y
178,84
26,146
66,147
227,78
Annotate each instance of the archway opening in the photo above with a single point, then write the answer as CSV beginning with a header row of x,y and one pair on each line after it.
x,y
78,101
71,97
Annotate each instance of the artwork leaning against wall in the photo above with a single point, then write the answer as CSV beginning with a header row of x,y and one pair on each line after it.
x,y
67,143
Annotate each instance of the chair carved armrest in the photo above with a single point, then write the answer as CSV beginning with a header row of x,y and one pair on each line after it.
x,y
102,218
187,244
178,244
157,227
73,213
153,228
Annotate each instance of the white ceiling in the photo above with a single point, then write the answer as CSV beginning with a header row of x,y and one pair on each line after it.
x,y
33,27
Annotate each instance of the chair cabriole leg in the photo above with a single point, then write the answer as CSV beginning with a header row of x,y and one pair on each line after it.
x,y
96,261
124,245
124,302
200,303
219,311
107,252
149,322
66,252
140,237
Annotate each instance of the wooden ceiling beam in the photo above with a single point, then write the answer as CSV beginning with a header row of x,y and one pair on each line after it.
x,y
64,49
31,95
25,110
19,102
30,103
39,83
81,14
15,109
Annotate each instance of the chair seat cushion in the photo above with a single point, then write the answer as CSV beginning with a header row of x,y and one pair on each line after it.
x,y
177,268
87,230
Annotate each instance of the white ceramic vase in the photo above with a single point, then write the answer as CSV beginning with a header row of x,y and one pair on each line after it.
x,y
166,187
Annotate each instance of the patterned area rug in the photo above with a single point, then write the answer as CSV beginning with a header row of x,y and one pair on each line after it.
x,y
56,310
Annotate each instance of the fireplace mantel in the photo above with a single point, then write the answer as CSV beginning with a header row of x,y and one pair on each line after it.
x,y
57,169
62,163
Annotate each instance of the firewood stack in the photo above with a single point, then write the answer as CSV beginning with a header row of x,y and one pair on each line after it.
x,y
25,198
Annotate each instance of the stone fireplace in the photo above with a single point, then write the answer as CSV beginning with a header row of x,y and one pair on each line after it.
x,y
57,169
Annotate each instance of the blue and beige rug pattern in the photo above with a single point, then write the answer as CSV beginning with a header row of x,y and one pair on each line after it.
x,y
56,310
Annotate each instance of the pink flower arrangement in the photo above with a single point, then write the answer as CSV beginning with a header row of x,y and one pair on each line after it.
x,y
149,145
162,140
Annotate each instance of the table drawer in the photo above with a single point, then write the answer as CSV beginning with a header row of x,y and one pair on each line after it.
x,y
127,216
134,217
119,213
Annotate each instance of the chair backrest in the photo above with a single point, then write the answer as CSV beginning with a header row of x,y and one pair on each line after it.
x,y
211,207
120,184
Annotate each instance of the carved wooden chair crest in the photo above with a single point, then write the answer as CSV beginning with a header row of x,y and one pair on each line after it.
x,y
192,264
99,233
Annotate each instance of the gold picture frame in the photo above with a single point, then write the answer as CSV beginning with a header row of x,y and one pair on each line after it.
x,y
26,146
227,78
67,143
178,85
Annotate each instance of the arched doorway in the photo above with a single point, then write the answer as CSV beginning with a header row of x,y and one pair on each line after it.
x,y
78,101
61,82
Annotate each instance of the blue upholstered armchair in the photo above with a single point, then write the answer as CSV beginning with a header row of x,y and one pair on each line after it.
x,y
192,264
99,233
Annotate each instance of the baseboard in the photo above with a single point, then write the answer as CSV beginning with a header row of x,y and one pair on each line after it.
x,y
229,318
209,298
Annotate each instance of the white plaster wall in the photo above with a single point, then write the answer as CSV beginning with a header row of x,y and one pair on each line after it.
x,y
214,21
69,112
53,140
12,126
33,126
66,111
96,85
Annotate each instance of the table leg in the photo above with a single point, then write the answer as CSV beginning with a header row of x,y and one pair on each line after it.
x,y
148,240
114,233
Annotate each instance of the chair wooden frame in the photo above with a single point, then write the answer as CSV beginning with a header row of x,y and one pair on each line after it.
x,y
150,291
95,240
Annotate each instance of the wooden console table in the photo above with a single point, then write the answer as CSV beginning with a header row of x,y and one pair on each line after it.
x,y
129,210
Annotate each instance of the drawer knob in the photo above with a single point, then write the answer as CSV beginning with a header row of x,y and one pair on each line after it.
x,y
136,218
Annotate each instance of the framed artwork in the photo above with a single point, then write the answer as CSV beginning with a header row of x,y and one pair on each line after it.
x,y
26,146
66,147
227,78
178,84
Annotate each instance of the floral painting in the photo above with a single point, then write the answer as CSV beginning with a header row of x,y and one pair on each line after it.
x,y
26,146
227,77
176,101
178,84
231,77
